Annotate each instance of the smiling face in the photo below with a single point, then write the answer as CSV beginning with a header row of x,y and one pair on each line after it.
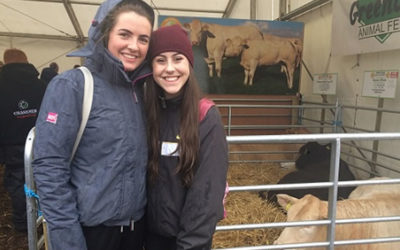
x,y
129,39
171,71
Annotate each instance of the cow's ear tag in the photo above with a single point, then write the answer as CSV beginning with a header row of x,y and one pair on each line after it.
x,y
288,206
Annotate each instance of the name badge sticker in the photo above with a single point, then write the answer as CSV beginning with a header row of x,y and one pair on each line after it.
x,y
169,148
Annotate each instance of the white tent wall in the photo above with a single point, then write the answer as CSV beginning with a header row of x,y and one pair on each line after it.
x,y
265,10
350,69
41,52
42,19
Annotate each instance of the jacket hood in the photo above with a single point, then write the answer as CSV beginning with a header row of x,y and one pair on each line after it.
x,y
94,30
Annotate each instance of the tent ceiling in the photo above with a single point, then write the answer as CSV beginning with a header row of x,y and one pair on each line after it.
x,y
70,19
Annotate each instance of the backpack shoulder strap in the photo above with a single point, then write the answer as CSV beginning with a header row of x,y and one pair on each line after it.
x,y
87,105
204,105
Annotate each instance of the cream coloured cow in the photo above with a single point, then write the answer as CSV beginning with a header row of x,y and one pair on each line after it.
x,y
265,52
216,39
298,44
371,191
234,46
271,51
311,208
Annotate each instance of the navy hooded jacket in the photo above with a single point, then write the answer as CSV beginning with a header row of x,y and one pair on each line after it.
x,y
105,182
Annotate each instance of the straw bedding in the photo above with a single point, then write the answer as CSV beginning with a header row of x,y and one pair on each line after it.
x,y
249,208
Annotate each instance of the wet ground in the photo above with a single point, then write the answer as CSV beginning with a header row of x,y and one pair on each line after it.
x,y
9,238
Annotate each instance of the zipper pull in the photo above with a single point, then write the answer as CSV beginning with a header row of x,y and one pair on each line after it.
x,y
135,96
134,93
132,225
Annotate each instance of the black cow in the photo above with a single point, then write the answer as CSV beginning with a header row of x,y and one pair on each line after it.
x,y
313,165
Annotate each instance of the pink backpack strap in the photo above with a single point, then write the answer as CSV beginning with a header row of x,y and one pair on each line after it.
x,y
204,105
224,200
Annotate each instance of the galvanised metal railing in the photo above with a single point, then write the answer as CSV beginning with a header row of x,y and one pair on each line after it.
x,y
333,184
230,107
334,125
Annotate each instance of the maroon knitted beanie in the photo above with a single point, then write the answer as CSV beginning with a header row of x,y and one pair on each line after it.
x,y
171,38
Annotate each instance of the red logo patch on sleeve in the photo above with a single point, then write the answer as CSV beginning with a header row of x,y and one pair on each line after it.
x,y
52,117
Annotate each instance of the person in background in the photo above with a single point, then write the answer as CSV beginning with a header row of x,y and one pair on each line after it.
x,y
188,156
97,200
1,64
21,93
49,73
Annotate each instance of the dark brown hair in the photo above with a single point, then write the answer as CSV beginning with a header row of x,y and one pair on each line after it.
x,y
189,143
138,6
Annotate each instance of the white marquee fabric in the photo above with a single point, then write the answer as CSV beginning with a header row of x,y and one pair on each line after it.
x,y
70,19
47,30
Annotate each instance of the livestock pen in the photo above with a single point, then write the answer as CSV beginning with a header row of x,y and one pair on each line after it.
x,y
366,157
284,116
253,223
289,114
335,140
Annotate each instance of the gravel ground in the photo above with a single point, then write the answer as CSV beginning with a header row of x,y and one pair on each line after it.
x,y
9,238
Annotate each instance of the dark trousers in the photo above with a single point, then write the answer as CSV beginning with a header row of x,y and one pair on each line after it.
x,y
14,180
157,242
111,238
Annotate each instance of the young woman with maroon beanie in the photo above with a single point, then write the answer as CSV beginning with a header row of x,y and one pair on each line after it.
x,y
188,153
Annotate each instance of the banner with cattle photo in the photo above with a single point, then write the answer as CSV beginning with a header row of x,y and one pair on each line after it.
x,y
237,56
365,26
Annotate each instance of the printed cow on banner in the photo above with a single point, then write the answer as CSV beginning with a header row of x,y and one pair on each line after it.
x,y
236,56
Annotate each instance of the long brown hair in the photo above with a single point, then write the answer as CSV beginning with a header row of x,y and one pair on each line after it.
x,y
189,143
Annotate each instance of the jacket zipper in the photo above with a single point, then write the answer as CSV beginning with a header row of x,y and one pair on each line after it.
x,y
134,93
134,83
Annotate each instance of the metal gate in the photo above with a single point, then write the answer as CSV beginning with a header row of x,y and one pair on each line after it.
x,y
333,184
37,238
